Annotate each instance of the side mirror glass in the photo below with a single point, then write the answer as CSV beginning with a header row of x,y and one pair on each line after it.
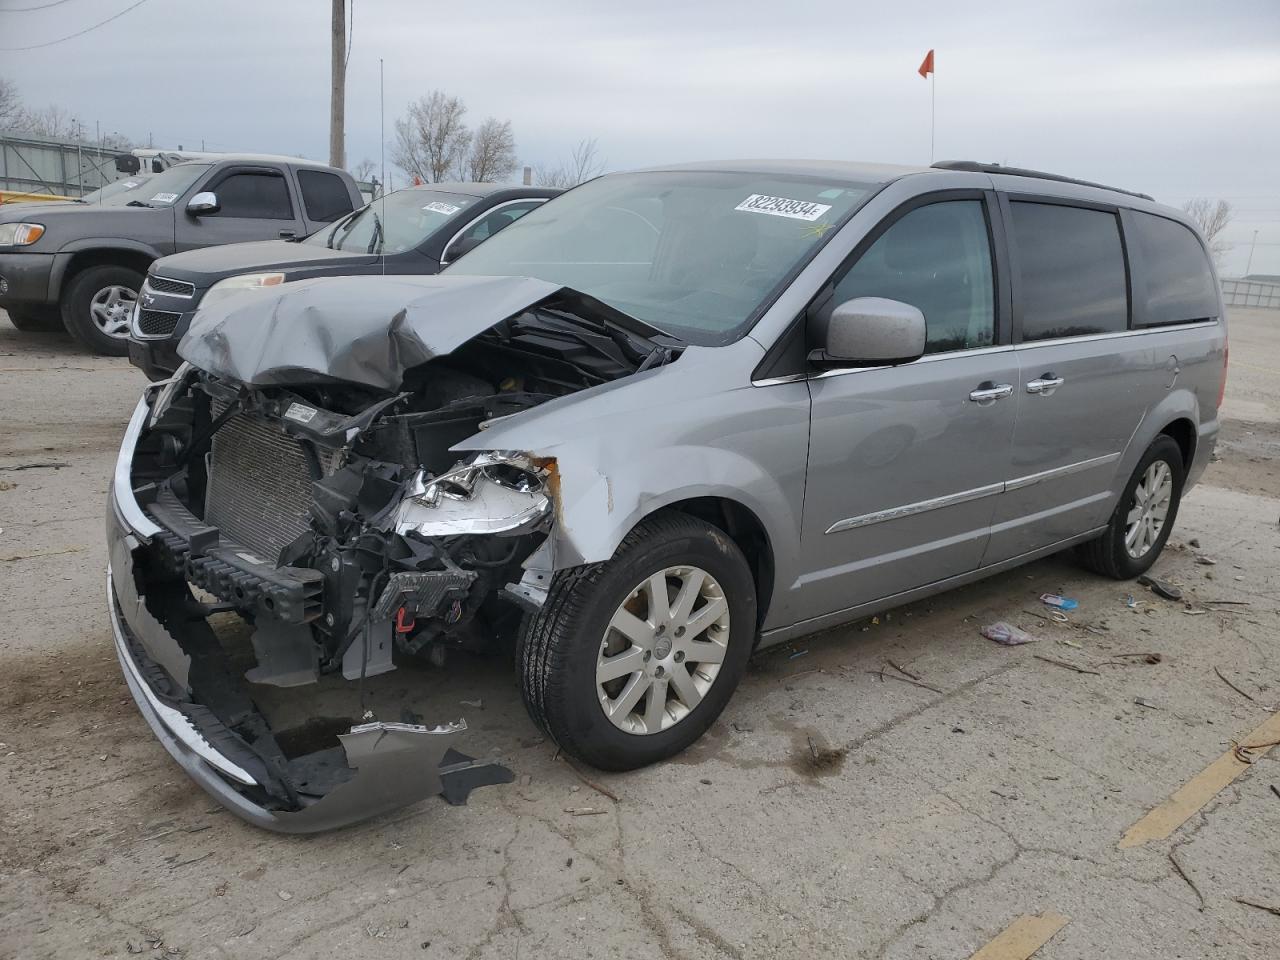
x,y
872,332
204,202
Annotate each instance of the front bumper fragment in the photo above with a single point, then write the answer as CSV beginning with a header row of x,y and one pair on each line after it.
x,y
165,656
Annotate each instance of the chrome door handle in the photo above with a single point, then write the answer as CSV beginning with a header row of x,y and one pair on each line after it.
x,y
1045,385
988,392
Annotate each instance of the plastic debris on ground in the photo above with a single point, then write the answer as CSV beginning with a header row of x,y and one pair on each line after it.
x,y
1161,588
1062,603
1007,634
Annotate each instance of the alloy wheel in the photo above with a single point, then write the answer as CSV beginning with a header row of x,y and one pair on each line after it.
x,y
662,650
111,308
1151,499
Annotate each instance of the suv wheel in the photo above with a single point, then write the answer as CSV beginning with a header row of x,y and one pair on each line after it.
x,y
629,661
96,308
36,319
1144,516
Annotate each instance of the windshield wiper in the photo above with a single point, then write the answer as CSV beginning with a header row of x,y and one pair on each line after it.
x,y
139,203
375,238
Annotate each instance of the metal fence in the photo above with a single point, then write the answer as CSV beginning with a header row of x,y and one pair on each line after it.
x,y
1251,293
34,164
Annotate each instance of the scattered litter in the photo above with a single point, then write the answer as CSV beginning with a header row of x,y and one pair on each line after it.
x,y
1069,666
583,811
1190,883
1007,634
1206,561
39,465
742,727
1233,686
1161,588
1151,658
284,894
478,704
1245,751
905,673
798,653
1275,790
1258,906
1133,604
603,791
1144,702
1194,542
131,947
1070,643
893,676
705,782
1062,603
820,760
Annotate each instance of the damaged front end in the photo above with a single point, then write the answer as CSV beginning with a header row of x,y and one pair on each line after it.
x,y
333,519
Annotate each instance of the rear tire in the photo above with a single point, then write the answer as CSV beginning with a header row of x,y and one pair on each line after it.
x,y
1127,549
36,319
96,306
565,647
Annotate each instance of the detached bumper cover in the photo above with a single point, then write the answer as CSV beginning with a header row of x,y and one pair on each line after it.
x,y
387,765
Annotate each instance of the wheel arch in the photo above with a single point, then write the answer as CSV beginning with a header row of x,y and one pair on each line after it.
x,y
1183,432
134,256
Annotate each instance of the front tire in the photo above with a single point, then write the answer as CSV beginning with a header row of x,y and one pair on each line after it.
x,y
1143,519
631,660
96,308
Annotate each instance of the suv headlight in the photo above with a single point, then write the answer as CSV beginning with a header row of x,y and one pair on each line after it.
x,y
246,281
20,234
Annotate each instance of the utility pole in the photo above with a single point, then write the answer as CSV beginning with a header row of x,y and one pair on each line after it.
x,y
338,96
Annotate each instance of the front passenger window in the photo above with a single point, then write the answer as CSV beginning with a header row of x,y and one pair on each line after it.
x,y
257,196
938,259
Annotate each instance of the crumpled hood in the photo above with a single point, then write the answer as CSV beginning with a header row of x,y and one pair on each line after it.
x,y
208,264
362,330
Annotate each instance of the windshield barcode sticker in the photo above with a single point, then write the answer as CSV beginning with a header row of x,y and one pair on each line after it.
x,y
300,412
438,206
164,198
782,207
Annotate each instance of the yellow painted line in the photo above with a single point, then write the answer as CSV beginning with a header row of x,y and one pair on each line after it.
x,y
1201,788
1023,937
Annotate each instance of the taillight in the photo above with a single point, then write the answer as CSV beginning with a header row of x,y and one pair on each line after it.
x,y
1222,387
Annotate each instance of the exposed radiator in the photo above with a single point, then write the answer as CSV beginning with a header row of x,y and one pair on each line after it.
x,y
259,485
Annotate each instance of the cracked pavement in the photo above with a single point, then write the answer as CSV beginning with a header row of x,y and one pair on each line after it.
x,y
946,816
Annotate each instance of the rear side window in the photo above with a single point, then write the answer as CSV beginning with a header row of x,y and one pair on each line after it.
x,y
1071,268
261,196
324,195
936,258
1178,284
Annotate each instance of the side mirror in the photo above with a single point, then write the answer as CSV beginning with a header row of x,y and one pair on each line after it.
x,y
872,332
203,202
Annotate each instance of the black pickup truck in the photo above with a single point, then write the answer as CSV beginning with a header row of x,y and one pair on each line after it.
x,y
81,264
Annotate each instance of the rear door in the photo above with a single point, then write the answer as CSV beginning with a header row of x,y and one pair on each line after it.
x,y
906,463
1084,377
325,197
255,204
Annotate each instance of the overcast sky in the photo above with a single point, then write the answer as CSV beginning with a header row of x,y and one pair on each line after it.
x,y
1177,99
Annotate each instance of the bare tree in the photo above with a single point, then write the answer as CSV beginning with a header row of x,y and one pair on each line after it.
x,y
583,164
493,152
363,170
51,121
10,102
1212,218
432,140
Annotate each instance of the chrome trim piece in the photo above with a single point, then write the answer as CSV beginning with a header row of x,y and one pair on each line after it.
x,y
1044,385
476,219
966,496
146,285
122,480
987,394
1065,471
1029,345
176,722
937,503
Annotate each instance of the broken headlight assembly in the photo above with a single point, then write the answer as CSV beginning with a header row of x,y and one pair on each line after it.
x,y
493,493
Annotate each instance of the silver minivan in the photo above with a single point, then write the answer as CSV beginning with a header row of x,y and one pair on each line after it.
x,y
666,419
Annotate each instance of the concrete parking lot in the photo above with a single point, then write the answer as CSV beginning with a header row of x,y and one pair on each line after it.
x,y
895,788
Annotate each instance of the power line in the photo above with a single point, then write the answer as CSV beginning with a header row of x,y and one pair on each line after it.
x,y
79,33
43,6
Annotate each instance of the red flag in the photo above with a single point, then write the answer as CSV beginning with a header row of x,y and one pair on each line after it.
x,y
926,68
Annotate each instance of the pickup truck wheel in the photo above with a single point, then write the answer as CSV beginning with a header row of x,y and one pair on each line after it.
x,y
36,319
96,308
631,660
1143,518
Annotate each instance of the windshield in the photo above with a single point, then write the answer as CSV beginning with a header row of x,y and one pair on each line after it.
x,y
696,254
398,222
159,190
103,194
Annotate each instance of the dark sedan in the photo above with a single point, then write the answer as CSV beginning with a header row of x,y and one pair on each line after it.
x,y
412,231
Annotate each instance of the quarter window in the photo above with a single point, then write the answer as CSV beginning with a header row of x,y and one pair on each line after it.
x,y
1071,271
1178,283
258,196
938,259
487,226
324,195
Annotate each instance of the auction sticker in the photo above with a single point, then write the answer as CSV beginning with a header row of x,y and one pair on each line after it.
x,y
439,206
782,207
164,198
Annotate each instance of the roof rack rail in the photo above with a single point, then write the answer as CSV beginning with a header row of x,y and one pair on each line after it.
x,y
975,167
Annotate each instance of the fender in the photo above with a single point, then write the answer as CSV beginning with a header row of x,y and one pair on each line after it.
x,y
107,245
1179,404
